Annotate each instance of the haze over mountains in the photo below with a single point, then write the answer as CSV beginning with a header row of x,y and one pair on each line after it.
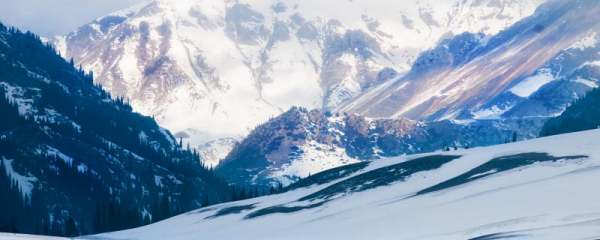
x,y
216,69
534,68
213,71
470,90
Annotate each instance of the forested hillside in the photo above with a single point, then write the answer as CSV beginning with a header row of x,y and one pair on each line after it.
x,y
583,114
73,160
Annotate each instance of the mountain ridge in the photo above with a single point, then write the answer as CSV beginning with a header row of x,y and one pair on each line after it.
x,y
301,142
272,55
489,89
75,154
512,74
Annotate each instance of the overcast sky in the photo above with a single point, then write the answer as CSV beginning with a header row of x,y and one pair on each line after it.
x,y
54,17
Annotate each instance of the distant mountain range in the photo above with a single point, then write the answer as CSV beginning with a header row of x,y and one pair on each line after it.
x,y
210,69
534,68
350,112
466,61
471,90
300,142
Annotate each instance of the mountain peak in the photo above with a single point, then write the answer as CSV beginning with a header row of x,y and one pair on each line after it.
x,y
229,66
300,142
478,79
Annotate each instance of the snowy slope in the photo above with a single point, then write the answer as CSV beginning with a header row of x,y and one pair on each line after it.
x,y
493,191
11,236
216,69
533,68
214,151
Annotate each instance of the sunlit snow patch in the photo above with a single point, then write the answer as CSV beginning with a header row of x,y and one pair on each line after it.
x,y
531,84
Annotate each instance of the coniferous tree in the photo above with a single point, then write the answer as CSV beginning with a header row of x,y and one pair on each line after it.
x,y
71,228
99,128
582,114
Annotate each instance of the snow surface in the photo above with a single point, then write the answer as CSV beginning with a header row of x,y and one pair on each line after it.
x,y
51,151
590,40
213,152
592,63
550,200
207,70
493,112
531,84
60,43
497,67
587,82
315,157
16,95
11,236
25,182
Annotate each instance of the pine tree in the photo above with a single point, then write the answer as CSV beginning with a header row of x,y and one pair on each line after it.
x,y
105,126
71,228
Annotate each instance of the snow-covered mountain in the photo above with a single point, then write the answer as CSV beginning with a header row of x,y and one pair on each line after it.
x,y
534,68
301,142
210,69
473,90
214,151
538,189
68,150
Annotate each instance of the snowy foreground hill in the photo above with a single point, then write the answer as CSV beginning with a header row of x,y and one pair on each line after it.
x,y
538,189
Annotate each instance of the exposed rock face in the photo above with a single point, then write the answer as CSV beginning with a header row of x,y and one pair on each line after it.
x,y
302,142
470,90
214,151
216,69
534,68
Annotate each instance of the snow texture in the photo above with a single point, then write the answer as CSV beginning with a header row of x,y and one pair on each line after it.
x,y
25,182
211,70
526,199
